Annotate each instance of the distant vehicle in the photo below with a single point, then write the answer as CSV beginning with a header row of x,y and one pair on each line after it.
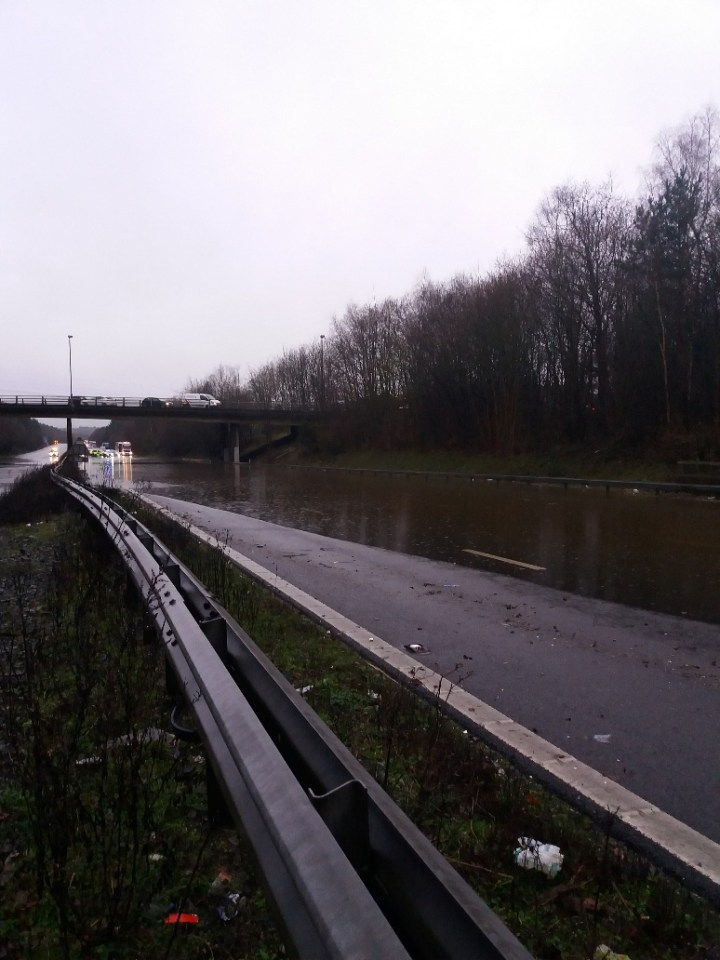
x,y
100,401
123,448
196,400
56,443
80,451
152,402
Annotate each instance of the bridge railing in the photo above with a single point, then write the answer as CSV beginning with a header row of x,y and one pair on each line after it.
x,y
27,400
33,399
84,401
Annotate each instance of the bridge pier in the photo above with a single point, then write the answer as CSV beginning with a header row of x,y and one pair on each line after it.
x,y
232,443
69,434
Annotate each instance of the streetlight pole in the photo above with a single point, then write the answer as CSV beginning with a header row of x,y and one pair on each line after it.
x,y
322,370
70,336
69,419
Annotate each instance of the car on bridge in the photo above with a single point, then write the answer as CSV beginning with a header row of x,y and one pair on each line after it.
x,y
101,401
152,402
194,400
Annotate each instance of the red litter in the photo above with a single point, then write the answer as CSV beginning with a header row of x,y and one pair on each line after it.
x,y
182,918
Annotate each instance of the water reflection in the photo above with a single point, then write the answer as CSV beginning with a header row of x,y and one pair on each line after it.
x,y
658,552
109,470
121,469
12,468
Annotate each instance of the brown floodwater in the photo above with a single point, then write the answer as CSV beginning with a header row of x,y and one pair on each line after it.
x,y
656,551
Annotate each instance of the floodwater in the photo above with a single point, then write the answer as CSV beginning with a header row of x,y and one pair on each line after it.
x,y
659,552
13,467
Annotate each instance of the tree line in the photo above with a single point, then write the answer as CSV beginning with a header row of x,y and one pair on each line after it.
x,y
604,331
20,434
606,328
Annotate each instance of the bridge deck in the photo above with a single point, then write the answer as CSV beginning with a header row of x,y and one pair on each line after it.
x,y
126,408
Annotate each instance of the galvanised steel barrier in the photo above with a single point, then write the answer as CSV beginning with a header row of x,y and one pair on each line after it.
x,y
351,875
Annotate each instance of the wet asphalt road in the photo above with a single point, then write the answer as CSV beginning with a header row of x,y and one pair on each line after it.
x,y
569,668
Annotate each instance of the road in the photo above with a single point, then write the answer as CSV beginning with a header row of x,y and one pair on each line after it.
x,y
635,695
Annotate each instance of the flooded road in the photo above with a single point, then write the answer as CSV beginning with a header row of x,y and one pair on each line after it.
x,y
13,467
658,552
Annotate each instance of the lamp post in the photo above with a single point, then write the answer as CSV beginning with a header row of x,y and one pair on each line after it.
x,y
70,354
69,419
322,370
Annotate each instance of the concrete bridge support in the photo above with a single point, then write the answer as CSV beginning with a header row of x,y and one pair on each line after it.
x,y
232,443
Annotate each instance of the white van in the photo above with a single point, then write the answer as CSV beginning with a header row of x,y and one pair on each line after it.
x,y
198,400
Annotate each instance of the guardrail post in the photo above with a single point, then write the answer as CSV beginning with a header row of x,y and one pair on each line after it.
x,y
172,572
219,815
215,629
150,635
345,813
172,685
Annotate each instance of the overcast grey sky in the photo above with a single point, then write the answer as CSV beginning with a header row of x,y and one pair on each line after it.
x,y
185,183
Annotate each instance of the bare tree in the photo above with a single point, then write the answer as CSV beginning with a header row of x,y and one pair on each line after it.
x,y
223,383
263,385
577,244
367,350
688,162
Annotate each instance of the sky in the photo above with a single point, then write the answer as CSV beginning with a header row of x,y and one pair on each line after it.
x,y
190,183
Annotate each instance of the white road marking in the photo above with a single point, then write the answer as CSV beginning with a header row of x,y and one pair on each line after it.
x,y
492,556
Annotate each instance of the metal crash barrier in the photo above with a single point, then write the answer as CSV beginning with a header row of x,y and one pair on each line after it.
x,y
350,874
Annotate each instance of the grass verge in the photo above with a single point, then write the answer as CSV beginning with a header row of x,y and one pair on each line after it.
x,y
104,830
587,465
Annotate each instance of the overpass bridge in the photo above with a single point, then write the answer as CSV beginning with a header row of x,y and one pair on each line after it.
x,y
231,415
166,408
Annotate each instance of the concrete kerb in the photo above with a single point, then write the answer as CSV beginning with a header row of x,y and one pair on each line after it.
x,y
686,853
